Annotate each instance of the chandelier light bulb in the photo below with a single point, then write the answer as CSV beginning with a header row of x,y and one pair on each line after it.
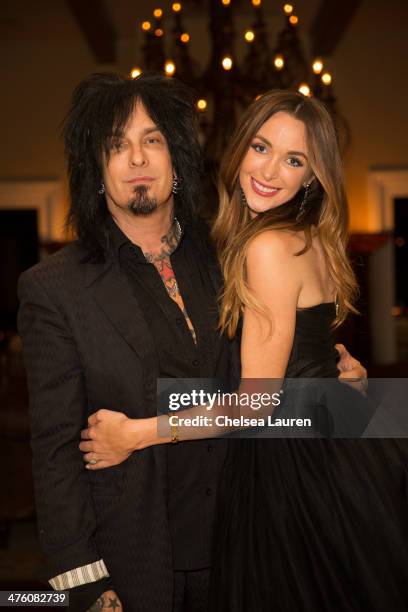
x,y
256,2
279,62
249,36
304,89
317,66
227,63
185,37
288,8
158,13
202,104
226,2
176,7
293,19
146,25
169,68
135,72
327,78
159,32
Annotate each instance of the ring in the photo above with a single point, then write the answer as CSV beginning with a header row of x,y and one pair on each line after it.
x,y
93,460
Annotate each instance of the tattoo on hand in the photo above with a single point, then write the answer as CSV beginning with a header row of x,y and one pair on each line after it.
x,y
113,603
98,605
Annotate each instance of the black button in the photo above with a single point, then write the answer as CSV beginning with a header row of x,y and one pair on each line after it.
x,y
210,448
196,362
209,491
179,320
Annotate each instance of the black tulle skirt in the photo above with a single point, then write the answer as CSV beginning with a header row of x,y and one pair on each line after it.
x,y
312,525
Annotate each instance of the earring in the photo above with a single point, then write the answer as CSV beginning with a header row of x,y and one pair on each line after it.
x,y
244,201
302,207
101,189
176,187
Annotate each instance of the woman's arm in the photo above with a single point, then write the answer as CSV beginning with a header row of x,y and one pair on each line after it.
x,y
274,279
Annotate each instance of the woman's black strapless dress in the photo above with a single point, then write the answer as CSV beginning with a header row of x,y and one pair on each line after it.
x,y
312,525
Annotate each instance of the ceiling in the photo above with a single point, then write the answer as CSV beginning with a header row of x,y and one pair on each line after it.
x,y
53,19
103,23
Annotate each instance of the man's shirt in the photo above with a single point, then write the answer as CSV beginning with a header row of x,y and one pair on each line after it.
x,y
188,345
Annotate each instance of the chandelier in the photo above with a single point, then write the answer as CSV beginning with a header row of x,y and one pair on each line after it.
x,y
225,86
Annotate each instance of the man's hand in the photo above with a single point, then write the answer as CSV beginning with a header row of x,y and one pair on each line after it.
x,y
351,370
107,602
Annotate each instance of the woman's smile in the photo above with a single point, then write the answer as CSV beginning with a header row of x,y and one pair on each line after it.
x,y
262,189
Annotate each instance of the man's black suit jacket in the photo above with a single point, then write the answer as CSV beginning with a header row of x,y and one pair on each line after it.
x,y
87,346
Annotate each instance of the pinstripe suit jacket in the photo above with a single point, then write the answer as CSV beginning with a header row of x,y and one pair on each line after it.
x,y
86,346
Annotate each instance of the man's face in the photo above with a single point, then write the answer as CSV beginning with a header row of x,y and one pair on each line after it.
x,y
138,176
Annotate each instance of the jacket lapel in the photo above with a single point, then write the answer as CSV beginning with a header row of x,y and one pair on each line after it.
x,y
112,292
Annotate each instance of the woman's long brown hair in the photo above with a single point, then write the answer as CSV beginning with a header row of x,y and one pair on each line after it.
x,y
326,209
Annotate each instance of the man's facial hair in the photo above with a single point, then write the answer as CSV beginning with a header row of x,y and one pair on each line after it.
x,y
141,203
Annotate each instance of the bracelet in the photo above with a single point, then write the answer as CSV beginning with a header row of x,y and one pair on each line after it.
x,y
173,432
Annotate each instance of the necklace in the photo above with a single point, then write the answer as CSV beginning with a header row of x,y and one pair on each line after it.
x,y
178,229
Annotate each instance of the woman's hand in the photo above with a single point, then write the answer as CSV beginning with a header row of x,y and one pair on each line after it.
x,y
351,370
112,437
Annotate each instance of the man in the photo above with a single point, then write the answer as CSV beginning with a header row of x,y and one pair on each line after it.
x,y
132,300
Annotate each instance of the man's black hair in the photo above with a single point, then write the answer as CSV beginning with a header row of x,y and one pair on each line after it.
x,y
101,107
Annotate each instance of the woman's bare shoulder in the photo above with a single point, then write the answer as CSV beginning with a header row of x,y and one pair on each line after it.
x,y
275,242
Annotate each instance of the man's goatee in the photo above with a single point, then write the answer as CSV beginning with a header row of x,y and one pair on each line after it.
x,y
141,204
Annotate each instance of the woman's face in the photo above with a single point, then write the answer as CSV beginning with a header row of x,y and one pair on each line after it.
x,y
276,164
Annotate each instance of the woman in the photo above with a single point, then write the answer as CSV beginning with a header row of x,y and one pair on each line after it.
x,y
302,524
